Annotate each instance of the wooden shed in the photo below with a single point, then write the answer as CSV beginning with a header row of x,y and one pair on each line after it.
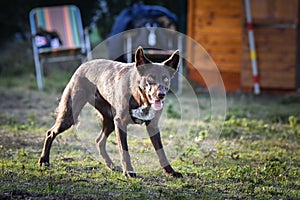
x,y
220,27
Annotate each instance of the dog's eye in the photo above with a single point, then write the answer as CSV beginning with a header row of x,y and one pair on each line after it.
x,y
150,79
165,79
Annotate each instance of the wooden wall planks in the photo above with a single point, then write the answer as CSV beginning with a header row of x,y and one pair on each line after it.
x,y
219,26
276,48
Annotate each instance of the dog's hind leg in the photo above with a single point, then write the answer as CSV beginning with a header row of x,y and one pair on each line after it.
x,y
108,127
67,114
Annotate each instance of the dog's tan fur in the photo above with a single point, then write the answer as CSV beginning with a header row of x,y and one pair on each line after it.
x,y
123,94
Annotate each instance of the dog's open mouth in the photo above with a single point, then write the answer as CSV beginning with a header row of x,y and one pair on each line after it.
x,y
157,104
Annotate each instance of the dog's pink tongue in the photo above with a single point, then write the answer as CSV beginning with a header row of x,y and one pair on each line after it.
x,y
157,105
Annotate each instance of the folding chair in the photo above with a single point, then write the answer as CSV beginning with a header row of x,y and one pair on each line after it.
x,y
57,36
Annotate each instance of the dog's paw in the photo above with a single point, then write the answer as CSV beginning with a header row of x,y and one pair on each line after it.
x,y
130,174
43,162
115,168
174,174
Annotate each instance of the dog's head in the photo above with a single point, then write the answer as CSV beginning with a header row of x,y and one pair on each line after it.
x,y
155,77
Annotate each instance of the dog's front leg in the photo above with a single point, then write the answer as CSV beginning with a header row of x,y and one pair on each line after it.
x,y
121,132
155,138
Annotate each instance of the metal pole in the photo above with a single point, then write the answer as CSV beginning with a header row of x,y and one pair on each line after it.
x,y
252,48
129,48
180,47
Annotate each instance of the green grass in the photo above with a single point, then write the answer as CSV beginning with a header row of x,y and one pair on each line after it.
x,y
257,156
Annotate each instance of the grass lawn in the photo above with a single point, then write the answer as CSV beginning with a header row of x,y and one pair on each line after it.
x,y
257,155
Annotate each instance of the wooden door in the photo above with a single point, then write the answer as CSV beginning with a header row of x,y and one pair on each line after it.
x,y
275,31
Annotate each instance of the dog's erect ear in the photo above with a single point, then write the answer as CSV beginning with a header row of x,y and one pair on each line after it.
x,y
140,58
173,62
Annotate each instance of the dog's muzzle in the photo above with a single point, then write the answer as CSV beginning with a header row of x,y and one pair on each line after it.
x,y
158,100
156,95
161,96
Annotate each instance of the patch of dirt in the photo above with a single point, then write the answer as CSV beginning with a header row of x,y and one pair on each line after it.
x,y
20,105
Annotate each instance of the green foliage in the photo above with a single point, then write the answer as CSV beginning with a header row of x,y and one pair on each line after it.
x,y
171,112
16,59
293,121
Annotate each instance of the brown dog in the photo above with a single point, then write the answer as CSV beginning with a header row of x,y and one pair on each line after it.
x,y
123,94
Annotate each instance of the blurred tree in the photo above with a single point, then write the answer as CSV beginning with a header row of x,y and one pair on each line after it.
x,y
101,14
14,15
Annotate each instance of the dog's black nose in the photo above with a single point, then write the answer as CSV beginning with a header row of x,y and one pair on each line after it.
x,y
161,96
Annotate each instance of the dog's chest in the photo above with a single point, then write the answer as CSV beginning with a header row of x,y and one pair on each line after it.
x,y
142,114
